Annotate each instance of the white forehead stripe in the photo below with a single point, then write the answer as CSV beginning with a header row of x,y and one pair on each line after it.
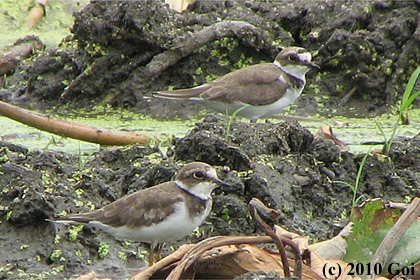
x,y
213,173
305,56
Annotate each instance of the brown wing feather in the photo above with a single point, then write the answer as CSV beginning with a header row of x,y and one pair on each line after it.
x,y
181,93
261,79
256,74
261,95
141,208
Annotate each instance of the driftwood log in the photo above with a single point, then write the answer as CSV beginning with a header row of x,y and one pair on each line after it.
x,y
71,129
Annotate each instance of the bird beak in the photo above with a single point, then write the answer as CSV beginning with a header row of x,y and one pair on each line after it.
x,y
312,65
221,183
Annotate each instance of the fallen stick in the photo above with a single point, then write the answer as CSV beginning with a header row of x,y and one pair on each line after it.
x,y
200,248
37,13
172,258
253,206
71,129
186,47
383,253
22,49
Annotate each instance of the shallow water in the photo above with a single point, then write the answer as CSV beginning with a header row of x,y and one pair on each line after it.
x,y
56,25
51,29
352,131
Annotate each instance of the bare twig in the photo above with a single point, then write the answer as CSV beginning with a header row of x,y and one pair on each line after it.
x,y
174,257
395,234
222,29
346,98
21,49
37,12
272,214
255,204
200,248
71,129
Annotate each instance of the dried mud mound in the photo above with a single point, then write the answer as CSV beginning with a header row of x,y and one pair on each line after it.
x,y
122,51
282,164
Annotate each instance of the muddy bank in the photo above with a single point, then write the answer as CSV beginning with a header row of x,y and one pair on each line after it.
x,y
122,51
284,165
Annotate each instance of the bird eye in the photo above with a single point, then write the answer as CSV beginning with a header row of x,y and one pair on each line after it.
x,y
293,58
199,175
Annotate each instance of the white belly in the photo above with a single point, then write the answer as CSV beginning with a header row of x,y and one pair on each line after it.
x,y
264,111
178,225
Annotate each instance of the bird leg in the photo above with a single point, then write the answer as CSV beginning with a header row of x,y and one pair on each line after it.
x,y
155,253
150,258
150,253
158,251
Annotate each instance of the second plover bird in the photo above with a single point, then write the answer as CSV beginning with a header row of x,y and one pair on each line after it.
x,y
165,212
262,90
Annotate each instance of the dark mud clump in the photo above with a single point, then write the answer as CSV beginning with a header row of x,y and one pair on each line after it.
x,y
282,164
122,51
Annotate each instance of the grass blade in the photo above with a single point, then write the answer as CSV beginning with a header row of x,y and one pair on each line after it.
x,y
410,85
381,131
409,101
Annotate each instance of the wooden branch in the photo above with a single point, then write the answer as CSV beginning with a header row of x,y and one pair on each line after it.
x,y
347,97
37,12
200,248
255,204
395,234
71,129
22,49
179,5
166,261
149,66
184,48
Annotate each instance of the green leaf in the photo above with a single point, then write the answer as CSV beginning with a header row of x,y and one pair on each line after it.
x,y
410,85
410,101
372,221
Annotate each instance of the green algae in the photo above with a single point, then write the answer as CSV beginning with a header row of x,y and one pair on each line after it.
x,y
353,131
159,131
360,133
51,29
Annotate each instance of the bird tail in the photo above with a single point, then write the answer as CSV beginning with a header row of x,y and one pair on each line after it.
x,y
73,219
182,93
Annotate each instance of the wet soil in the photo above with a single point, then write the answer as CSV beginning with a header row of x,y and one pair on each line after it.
x,y
120,52
282,164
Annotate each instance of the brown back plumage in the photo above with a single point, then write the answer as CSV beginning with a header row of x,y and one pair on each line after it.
x,y
152,205
261,79
143,208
